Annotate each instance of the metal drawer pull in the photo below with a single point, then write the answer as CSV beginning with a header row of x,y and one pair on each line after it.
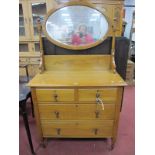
x,y
58,131
97,114
57,114
95,131
99,101
97,94
56,97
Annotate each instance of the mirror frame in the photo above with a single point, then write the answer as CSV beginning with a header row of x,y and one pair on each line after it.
x,y
73,47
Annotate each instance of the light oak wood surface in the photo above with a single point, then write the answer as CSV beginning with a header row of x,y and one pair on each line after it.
x,y
106,94
77,71
76,79
76,129
77,62
56,95
76,111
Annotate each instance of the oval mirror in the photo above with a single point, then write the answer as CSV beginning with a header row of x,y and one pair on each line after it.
x,y
76,27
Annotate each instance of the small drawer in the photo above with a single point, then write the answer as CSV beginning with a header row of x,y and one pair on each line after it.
x,y
75,129
106,94
54,95
76,112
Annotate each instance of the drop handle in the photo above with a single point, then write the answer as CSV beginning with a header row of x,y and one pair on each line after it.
x,y
95,131
98,94
57,114
99,101
56,97
58,131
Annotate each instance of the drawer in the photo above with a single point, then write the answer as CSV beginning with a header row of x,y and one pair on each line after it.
x,y
55,95
106,94
77,129
74,111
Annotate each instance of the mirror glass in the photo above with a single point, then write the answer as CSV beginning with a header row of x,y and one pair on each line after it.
x,y
76,25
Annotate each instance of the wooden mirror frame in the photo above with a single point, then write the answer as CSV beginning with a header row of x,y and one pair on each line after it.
x,y
73,47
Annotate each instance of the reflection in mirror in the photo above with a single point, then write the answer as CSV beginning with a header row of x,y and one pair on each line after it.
x,y
76,25
38,12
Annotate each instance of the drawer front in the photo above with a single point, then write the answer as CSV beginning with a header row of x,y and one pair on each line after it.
x,y
106,94
55,95
74,111
75,129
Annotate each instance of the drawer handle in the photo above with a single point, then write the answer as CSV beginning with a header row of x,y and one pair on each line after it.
x,y
98,94
97,114
57,114
58,131
95,131
56,97
99,101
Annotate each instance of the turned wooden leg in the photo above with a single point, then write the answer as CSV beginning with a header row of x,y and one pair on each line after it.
x,y
43,143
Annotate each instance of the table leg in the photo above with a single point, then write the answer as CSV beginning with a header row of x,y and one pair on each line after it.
x,y
32,105
26,124
27,73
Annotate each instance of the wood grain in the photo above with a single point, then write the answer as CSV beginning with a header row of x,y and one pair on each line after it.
x,y
37,116
76,111
78,129
106,94
77,62
73,79
58,95
117,114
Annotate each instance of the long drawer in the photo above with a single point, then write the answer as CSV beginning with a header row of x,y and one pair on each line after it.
x,y
76,111
77,129
55,95
106,94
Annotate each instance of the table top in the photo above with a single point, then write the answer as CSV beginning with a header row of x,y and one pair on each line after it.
x,y
24,90
76,79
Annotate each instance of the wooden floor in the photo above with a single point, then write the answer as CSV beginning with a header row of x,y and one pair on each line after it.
x,y
125,144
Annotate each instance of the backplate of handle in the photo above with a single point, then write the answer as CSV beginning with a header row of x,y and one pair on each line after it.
x,y
95,131
57,114
58,131
97,94
55,97
99,101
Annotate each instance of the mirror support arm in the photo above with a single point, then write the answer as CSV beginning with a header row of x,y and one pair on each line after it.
x,y
41,66
113,65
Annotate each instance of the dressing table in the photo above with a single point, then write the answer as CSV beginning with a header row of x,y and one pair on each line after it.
x,y
77,96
